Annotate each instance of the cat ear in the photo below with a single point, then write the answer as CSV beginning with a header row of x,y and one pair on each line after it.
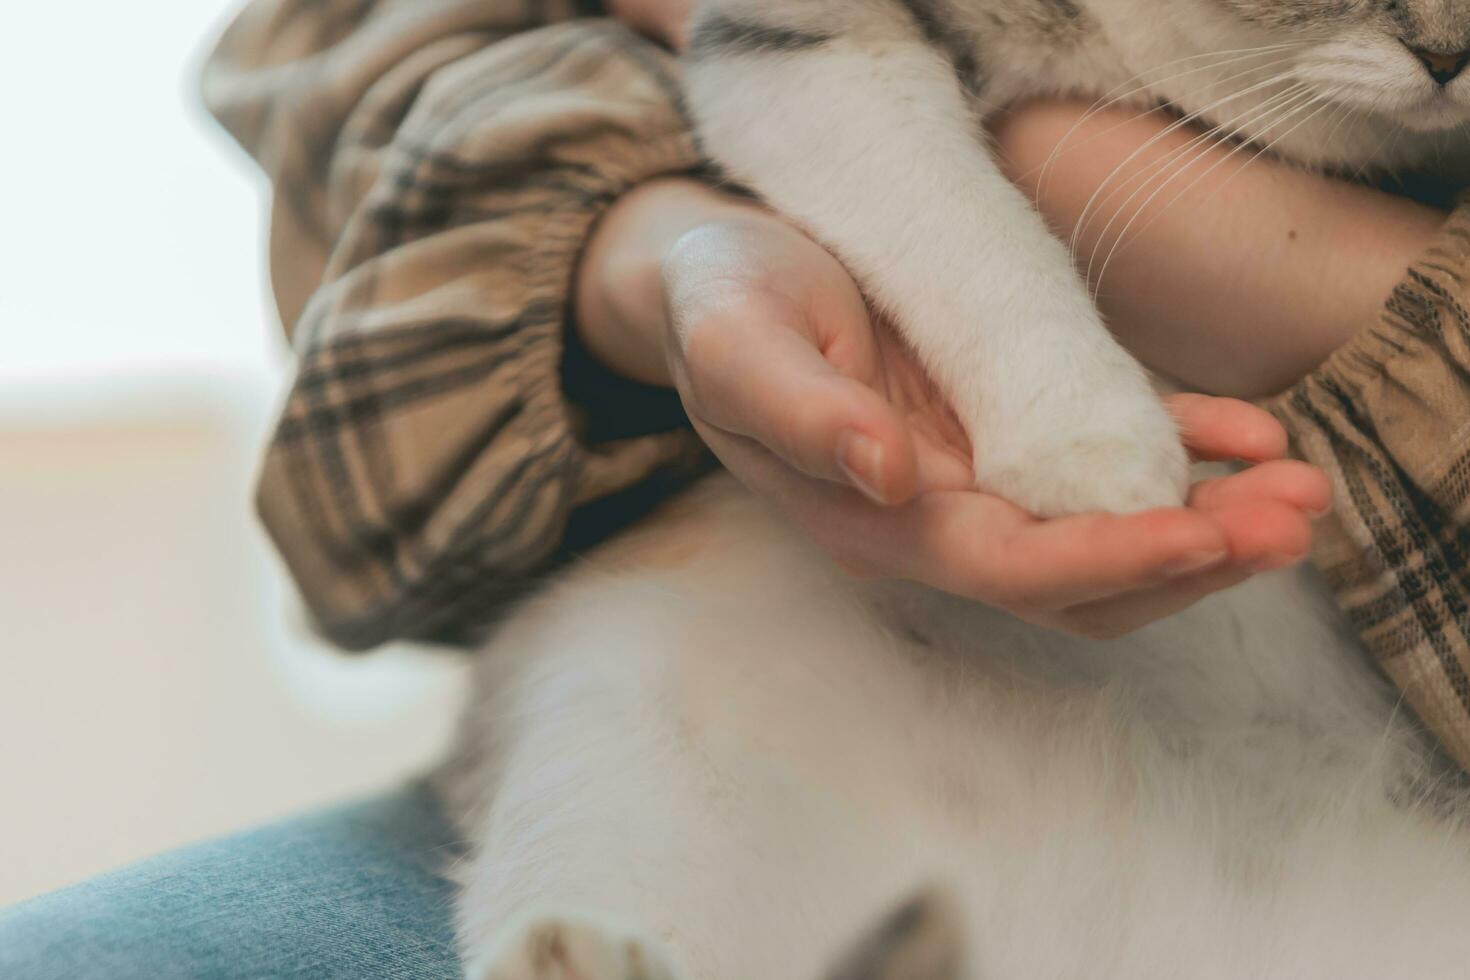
x,y
924,939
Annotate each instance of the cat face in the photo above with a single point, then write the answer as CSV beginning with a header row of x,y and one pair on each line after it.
x,y
1408,60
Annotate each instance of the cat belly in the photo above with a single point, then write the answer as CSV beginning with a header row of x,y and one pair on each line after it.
x,y
732,749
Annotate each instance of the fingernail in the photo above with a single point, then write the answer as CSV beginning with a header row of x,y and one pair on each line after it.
x,y
1274,562
1194,561
861,460
1317,513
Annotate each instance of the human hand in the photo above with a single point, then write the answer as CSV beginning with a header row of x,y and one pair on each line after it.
x,y
824,413
663,20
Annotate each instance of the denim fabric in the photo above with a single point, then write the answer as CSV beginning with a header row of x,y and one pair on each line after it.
x,y
352,892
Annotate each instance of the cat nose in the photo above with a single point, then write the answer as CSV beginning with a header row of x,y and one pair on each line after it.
x,y
1443,68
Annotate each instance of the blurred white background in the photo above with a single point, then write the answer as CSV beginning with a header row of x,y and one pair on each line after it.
x,y
156,686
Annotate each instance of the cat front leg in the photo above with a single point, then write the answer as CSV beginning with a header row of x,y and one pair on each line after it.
x,y
863,132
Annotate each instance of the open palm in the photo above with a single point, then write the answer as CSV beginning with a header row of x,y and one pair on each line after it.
x,y
788,379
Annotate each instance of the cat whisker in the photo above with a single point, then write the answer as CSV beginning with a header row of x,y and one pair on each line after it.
x,y
1278,104
1109,100
1200,144
1146,174
1107,189
1062,148
1344,112
1084,219
1283,109
1141,82
1381,144
1314,106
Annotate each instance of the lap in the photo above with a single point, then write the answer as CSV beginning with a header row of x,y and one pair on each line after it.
x,y
357,891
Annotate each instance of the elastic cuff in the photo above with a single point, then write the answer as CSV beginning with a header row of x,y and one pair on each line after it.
x,y
1429,300
1404,381
624,431
1388,419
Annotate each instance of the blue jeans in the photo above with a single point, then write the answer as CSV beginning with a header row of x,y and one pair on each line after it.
x,y
354,892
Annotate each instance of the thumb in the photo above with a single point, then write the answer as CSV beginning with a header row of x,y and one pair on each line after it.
x,y
773,385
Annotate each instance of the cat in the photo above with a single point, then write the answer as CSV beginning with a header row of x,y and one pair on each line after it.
x,y
706,754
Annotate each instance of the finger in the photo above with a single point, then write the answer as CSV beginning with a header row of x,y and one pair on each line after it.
x,y
1226,428
1286,481
940,468
979,546
1266,534
842,521
662,20
1109,619
676,23
771,384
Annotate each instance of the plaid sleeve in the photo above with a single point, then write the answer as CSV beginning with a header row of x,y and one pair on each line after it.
x,y
436,167
1388,418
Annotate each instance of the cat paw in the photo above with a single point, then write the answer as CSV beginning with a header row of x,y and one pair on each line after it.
x,y
1125,469
569,947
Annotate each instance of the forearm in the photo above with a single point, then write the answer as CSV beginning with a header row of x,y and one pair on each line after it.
x,y
1291,274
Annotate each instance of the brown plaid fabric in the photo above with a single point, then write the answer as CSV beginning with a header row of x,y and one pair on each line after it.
x,y
1388,417
437,165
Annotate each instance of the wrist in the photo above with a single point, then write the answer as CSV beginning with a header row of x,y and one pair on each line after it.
x,y
619,309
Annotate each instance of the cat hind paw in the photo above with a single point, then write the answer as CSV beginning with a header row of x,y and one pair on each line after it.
x,y
570,947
